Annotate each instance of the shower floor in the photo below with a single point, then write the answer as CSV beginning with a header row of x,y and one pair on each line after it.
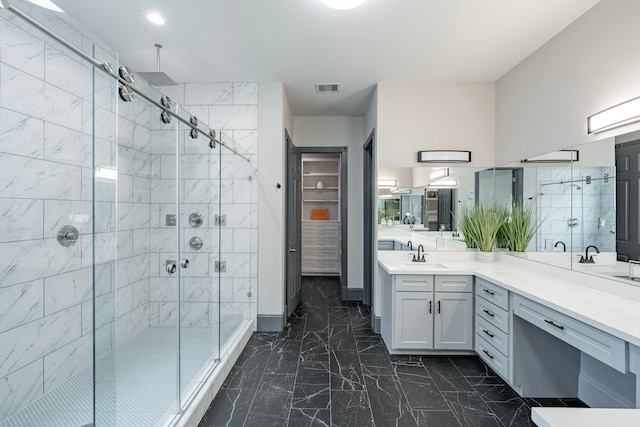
x,y
135,385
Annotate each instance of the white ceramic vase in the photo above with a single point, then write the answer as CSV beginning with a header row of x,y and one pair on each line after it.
x,y
486,256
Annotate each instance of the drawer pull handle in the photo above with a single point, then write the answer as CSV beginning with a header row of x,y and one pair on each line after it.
x,y
554,324
488,354
488,312
488,333
488,291
430,303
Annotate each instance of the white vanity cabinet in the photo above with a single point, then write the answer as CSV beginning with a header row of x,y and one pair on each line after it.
x,y
493,327
423,313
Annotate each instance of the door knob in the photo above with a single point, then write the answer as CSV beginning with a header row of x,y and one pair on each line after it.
x,y
292,249
185,263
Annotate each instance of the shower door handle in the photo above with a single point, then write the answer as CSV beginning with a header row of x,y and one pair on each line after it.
x,y
171,268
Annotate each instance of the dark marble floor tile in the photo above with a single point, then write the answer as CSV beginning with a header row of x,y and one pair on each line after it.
x,y
436,419
376,364
284,359
350,409
371,345
362,327
360,312
346,372
422,392
472,366
313,373
311,396
546,402
389,405
339,316
273,397
574,403
471,410
310,418
476,381
315,347
293,329
317,320
410,368
496,392
228,409
265,420
243,377
445,374
341,338
512,413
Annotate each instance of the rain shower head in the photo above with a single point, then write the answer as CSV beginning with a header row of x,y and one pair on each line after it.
x,y
157,78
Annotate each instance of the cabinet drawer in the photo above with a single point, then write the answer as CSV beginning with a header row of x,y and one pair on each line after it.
x,y
496,360
320,227
320,243
454,283
494,293
414,283
594,342
320,267
493,314
493,335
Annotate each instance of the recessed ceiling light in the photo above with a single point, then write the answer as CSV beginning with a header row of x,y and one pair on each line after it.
x,y
343,4
156,18
47,4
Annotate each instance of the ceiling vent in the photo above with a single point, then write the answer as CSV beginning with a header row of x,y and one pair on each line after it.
x,y
327,87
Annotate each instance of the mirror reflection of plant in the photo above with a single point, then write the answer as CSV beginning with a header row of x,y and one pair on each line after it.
x,y
521,226
502,239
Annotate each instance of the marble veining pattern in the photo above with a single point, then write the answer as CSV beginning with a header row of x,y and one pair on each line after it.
x,y
328,368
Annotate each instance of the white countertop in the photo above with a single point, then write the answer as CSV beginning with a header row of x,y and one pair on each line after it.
x,y
585,417
608,310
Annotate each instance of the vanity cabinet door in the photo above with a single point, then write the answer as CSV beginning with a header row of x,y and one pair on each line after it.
x,y
413,320
453,314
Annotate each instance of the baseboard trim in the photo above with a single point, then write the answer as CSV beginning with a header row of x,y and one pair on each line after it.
x,y
270,322
598,395
352,294
376,323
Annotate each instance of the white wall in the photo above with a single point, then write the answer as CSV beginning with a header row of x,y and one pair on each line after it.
x,y
543,103
272,109
338,132
432,116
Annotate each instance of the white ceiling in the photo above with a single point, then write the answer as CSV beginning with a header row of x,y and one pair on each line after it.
x,y
302,42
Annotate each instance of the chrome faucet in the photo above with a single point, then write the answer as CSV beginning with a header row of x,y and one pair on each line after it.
x,y
418,258
586,259
410,245
564,247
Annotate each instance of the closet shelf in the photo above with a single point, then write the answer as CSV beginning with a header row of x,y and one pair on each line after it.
x,y
319,174
320,189
320,201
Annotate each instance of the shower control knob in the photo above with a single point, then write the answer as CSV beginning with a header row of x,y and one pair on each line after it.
x,y
185,263
171,268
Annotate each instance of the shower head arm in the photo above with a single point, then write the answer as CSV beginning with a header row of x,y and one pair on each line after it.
x,y
158,47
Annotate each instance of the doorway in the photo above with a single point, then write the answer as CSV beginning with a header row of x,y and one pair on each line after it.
x,y
627,198
316,217
370,212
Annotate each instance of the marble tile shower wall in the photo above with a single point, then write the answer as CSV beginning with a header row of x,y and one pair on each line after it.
x,y
213,182
46,155
561,202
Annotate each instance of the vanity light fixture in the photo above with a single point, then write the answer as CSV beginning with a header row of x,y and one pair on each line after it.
x,y
156,18
387,182
560,156
439,174
444,156
619,115
449,182
343,4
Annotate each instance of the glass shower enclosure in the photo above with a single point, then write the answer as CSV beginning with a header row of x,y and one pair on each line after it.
x,y
126,233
